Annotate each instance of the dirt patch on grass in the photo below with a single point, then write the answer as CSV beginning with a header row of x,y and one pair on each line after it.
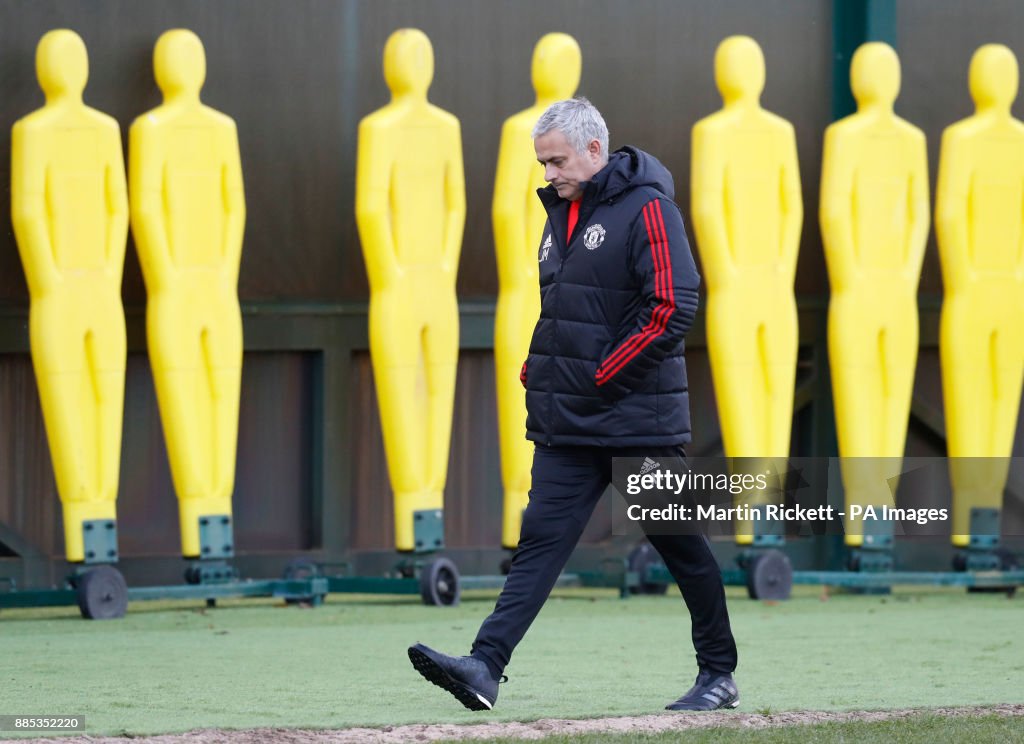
x,y
532,730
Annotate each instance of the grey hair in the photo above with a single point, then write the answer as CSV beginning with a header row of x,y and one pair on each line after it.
x,y
578,120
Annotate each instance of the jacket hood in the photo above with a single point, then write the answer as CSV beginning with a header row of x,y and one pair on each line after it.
x,y
630,168
627,168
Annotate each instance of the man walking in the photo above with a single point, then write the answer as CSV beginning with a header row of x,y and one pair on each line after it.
x,y
605,378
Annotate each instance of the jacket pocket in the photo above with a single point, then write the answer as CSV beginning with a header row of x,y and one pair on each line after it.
x,y
607,386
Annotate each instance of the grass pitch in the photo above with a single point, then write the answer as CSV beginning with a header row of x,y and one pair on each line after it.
x,y
920,729
170,667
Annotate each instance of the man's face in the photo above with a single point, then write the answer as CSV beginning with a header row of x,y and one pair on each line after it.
x,y
564,168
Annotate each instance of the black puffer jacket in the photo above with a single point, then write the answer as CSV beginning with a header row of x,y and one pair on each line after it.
x,y
606,363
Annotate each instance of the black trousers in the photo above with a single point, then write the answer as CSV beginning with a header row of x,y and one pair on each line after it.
x,y
567,484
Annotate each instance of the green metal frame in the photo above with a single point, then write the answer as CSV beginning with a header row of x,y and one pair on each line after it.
x,y
312,589
335,332
871,579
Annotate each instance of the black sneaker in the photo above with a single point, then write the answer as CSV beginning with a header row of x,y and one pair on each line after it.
x,y
468,679
711,691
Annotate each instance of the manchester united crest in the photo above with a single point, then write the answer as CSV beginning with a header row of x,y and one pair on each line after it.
x,y
593,237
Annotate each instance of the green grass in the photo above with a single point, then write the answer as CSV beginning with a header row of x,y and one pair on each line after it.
x,y
173,667
922,729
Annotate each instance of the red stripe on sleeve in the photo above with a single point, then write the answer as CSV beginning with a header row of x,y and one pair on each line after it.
x,y
635,344
670,293
658,238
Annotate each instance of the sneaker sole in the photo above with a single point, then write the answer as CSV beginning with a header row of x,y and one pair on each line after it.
x,y
433,673
734,704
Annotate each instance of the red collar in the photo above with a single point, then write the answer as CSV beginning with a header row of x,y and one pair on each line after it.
x,y
574,214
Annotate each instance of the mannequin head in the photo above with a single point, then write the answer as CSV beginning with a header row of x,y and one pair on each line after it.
x,y
62,65
179,63
875,75
993,77
739,70
408,63
556,68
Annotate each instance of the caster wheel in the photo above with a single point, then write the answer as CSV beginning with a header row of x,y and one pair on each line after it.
x,y
439,583
302,568
640,559
853,561
770,576
960,561
102,593
1008,561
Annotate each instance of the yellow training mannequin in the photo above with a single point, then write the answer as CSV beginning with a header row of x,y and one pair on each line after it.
x,y
518,221
69,206
874,222
188,216
411,209
747,213
980,226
